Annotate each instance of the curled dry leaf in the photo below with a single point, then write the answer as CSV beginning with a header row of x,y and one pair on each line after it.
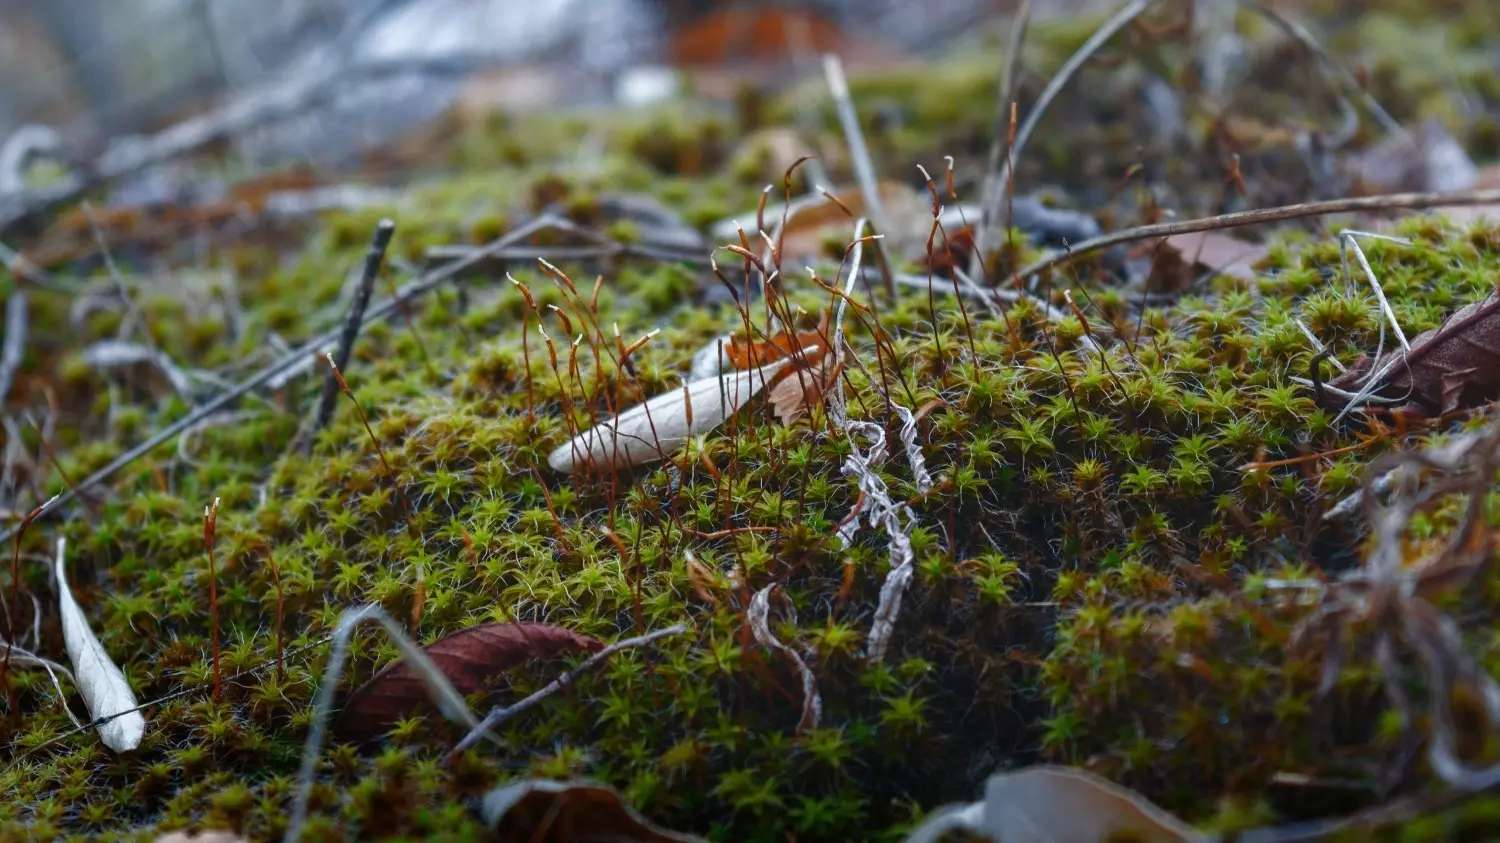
x,y
100,681
660,426
468,659
1453,366
539,810
1047,804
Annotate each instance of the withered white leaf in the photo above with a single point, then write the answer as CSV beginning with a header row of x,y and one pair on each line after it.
x,y
1051,804
100,681
660,426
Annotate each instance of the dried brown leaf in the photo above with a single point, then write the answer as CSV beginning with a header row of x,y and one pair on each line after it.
x,y
468,658
539,810
1174,266
800,389
1453,366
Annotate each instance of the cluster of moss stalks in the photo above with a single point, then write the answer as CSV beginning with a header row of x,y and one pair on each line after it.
x,y
1094,572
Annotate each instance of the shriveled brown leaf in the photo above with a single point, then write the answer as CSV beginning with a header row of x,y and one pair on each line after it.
x,y
468,658
1455,365
540,810
1175,265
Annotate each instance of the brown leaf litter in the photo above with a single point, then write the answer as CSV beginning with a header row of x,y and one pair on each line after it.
x,y
469,658
1453,366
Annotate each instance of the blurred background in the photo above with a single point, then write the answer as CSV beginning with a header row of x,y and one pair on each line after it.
x,y
95,70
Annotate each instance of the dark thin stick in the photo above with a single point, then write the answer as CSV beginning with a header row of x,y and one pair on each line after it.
x,y
499,715
1385,202
374,256
304,355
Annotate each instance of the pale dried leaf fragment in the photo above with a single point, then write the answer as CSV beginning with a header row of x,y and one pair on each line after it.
x,y
660,426
100,681
211,835
759,616
1049,804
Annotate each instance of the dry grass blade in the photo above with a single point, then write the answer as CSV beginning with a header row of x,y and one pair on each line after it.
x,y
100,681
758,616
864,167
14,347
449,701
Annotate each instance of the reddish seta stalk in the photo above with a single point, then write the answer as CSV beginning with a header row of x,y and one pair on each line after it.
x,y
210,521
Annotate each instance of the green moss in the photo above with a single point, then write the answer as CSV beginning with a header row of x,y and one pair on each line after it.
x,y
1091,570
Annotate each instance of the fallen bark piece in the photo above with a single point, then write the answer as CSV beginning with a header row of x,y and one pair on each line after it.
x,y
1453,366
468,658
100,681
1047,804
580,812
660,426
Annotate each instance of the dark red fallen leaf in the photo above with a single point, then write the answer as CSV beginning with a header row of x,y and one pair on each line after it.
x,y
469,658
1453,366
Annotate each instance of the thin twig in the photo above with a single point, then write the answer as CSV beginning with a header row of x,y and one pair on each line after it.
x,y
499,715
374,256
1384,202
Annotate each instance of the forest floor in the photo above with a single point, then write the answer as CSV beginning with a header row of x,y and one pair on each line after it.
x,y
1112,475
